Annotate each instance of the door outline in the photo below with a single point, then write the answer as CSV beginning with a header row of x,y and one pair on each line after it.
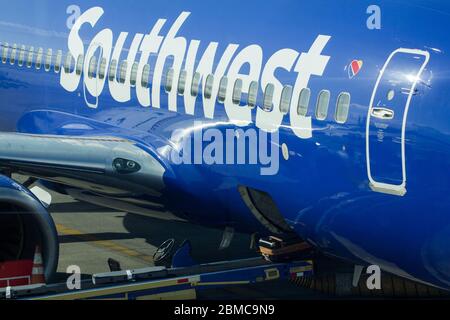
x,y
398,190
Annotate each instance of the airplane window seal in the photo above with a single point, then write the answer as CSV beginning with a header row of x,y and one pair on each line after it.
x,y
123,71
58,61
222,90
92,67
102,69
134,71
268,97
112,70
253,94
12,59
323,104
182,82
38,62
195,84
342,107
209,86
169,80
68,63
286,98
48,60
5,51
30,57
237,91
145,76
22,52
79,66
303,102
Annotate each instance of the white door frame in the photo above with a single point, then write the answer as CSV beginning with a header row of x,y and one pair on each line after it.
x,y
398,190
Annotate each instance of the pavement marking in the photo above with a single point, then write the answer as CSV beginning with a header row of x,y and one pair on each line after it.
x,y
106,244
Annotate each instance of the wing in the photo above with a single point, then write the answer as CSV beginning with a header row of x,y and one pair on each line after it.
x,y
107,165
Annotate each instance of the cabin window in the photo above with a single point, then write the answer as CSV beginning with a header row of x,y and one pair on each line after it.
x,y
169,80
123,71
30,57
286,97
79,67
342,107
303,102
21,56
253,94
12,59
58,61
38,63
182,82
195,88
68,63
268,97
5,51
209,86
145,76
112,70
102,69
237,91
133,76
323,102
92,67
48,60
222,90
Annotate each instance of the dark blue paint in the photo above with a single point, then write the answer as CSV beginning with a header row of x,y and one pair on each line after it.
x,y
323,190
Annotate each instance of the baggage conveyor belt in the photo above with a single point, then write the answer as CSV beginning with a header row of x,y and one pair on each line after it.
x,y
159,283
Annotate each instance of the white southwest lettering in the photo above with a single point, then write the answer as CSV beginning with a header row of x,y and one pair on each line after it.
x,y
174,49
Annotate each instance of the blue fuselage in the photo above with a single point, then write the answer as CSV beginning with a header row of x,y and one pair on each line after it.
x,y
367,190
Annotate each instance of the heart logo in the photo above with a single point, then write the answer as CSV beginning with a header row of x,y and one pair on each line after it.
x,y
354,68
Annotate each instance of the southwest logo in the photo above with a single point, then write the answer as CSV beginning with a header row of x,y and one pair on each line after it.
x,y
354,68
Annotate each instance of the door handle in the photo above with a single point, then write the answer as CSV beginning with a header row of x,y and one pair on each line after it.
x,y
382,113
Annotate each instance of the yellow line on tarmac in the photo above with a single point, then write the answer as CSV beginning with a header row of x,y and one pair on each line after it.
x,y
107,244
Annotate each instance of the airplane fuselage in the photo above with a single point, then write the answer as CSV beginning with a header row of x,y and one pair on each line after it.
x,y
359,169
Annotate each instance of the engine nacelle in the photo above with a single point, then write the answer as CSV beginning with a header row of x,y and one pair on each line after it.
x,y
25,224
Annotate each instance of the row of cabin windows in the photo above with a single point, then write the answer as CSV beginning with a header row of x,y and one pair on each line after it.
x,y
322,106
119,72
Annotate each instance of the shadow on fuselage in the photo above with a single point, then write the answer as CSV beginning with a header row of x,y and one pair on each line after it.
x,y
205,241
